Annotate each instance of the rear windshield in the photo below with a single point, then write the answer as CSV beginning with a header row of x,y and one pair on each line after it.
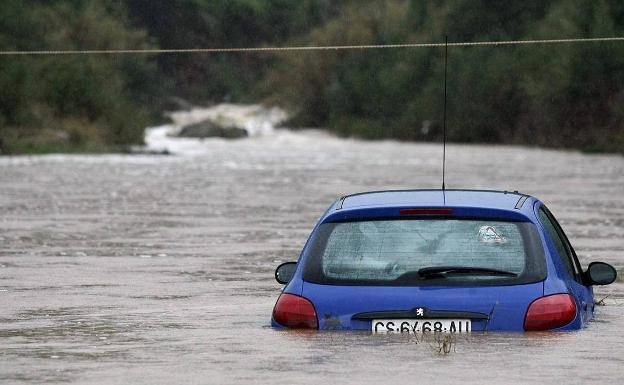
x,y
394,252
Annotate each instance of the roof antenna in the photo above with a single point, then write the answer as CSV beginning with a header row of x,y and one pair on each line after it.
x,y
444,119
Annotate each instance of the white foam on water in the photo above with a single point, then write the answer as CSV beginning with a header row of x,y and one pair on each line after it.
x,y
256,119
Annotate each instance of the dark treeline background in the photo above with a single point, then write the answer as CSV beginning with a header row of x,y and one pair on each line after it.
x,y
563,95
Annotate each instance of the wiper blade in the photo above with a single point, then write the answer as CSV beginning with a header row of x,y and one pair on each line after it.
x,y
440,271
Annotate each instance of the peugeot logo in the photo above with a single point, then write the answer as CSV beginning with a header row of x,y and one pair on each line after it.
x,y
420,312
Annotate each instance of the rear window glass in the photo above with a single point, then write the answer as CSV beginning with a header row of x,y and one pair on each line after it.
x,y
393,251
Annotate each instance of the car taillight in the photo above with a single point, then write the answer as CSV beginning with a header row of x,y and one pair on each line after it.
x,y
295,312
550,312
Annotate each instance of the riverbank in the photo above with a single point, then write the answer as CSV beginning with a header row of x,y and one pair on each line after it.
x,y
252,120
63,137
226,120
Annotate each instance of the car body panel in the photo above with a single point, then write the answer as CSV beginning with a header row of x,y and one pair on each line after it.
x,y
504,305
560,281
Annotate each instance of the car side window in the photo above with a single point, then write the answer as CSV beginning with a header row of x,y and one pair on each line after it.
x,y
564,249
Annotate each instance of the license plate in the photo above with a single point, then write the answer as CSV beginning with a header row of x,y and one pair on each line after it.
x,y
421,326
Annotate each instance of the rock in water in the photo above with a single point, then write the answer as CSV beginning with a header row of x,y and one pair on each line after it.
x,y
210,129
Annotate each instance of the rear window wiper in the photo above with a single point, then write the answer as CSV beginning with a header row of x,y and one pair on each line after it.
x,y
440,271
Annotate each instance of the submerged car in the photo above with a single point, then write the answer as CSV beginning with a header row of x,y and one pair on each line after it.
x,y
438,260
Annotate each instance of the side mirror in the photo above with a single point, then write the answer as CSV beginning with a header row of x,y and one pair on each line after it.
x,y
600,273
285,272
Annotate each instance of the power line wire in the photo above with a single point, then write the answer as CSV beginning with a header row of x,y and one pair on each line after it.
x,y
303,48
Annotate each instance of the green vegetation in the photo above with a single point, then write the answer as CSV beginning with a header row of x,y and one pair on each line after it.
x,y
564,95
550,95
71,103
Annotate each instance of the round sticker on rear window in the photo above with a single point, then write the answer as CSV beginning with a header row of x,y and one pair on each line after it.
x,y
489,234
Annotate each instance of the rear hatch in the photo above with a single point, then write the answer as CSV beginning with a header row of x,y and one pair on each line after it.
x,y
489,307
487,270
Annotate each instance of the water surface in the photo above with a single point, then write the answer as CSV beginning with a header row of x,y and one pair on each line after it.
x,y
159,269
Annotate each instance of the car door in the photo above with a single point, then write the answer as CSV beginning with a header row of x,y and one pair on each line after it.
x,y
569,260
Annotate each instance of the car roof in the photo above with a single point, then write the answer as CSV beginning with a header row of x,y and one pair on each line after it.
x,y
487,199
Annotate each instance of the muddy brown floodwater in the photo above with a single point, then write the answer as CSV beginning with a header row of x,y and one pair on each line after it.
x,y
159,269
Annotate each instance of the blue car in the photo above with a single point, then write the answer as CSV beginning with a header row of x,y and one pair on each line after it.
x,y
414,261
